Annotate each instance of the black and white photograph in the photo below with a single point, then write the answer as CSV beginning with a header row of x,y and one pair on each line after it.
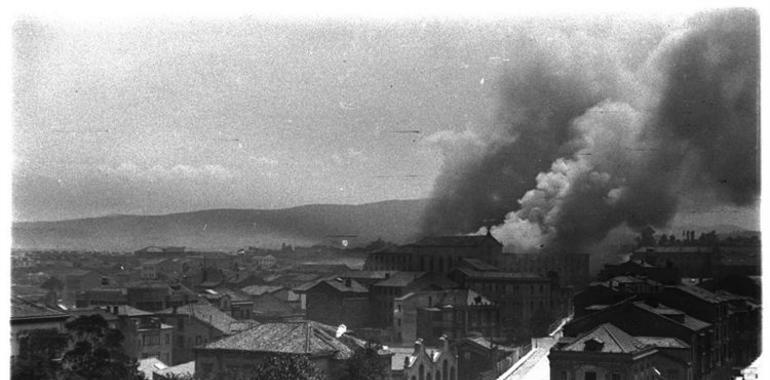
x,y
504,194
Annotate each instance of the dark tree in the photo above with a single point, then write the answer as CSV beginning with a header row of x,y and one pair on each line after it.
x,y
96,352
287,367
366,364
37,353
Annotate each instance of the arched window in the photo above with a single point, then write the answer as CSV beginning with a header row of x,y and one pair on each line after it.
x,y
422,372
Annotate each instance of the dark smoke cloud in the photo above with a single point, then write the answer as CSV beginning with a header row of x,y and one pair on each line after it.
x,y
552,81
596,147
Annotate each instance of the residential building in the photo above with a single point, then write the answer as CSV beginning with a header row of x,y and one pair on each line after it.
x,y
528,303
425,363
271,303
651,318
338,301
458,321
478,355
637,268
569,268
607,352
406,307
435,254
327,349
383,293
198,324
27,317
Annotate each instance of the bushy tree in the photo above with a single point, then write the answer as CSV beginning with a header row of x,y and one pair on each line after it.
x,y
287,367
96,352
366,365
37,353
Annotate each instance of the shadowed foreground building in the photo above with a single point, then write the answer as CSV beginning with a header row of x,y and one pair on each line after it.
x,y
610,353
425,363
241,353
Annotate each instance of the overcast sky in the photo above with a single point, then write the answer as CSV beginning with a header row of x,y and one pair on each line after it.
x,y
155,117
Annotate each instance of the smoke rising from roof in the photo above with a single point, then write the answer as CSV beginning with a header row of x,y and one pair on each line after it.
x,y
583,143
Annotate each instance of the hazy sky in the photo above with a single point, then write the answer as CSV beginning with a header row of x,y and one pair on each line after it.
x,y
159,116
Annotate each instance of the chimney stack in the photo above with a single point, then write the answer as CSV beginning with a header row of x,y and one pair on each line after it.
x,y
417,347
444,343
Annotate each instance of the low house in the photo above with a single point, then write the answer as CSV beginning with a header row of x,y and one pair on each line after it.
x,y
271,303
326,348
477,355
198,324
27,317
424,363
405,310
338,301
607,352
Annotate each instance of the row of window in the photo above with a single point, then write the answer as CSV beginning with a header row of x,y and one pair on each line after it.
x,y
154,339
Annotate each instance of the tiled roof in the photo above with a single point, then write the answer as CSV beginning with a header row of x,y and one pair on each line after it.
x,y
501,275
207,313
24,310
691,323
453,241
366,274
235,295
614,340
258,290
698,292
131,311
108,316
400,279
662,341
480,265
341,286
486,343
306,337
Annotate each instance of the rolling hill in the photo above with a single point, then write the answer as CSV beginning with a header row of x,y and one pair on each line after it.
x,y
224,229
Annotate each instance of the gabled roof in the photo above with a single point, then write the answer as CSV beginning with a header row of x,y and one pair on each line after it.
x,y
611,338
489,345
689,322
479,265
500,275
454,241
130,311
208,314
341,286
305,337
367,274
258,290
662,341
400,279
698,292
22,310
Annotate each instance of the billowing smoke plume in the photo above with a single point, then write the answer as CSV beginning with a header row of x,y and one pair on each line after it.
x,y
584,146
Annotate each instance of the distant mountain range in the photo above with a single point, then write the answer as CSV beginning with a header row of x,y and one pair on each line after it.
x,y
396,221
